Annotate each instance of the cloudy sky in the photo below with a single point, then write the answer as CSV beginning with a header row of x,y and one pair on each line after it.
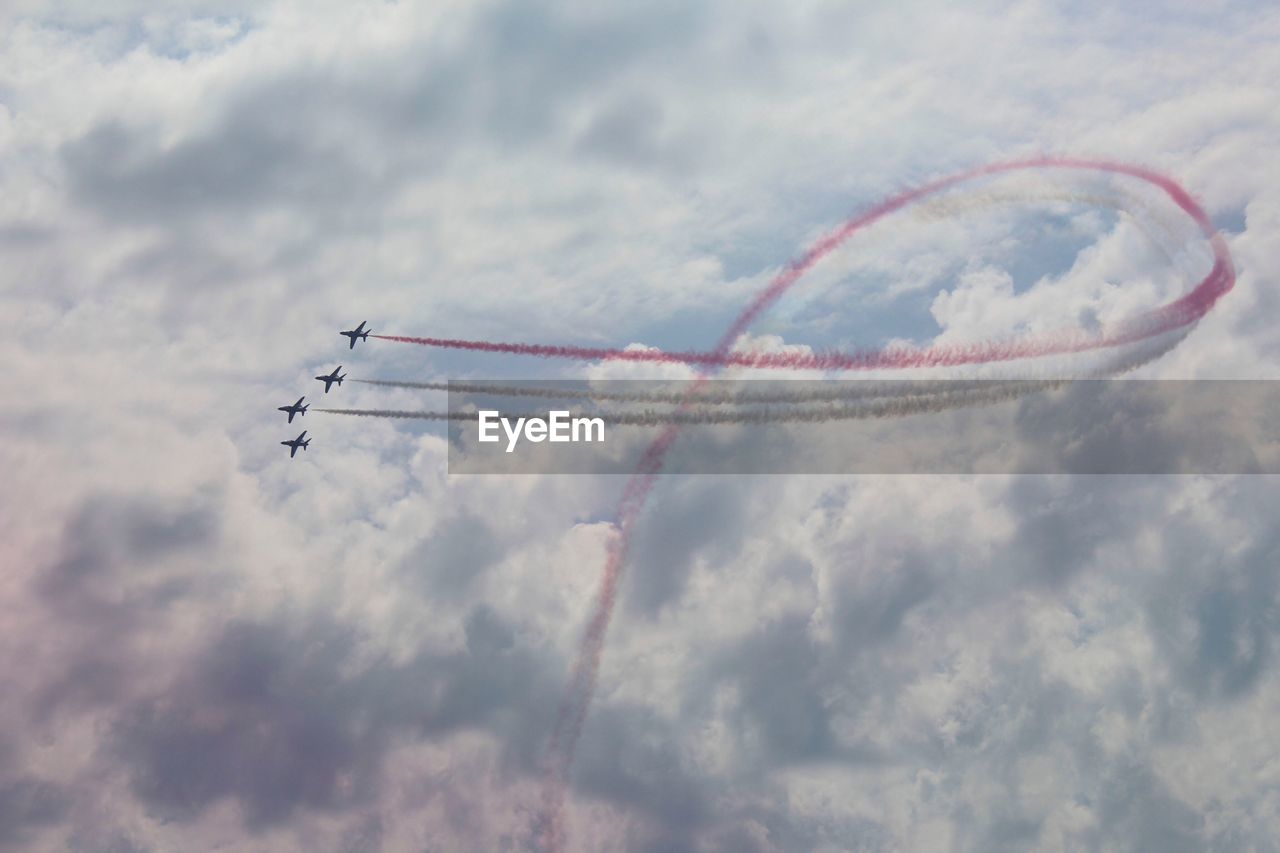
x,y
205,645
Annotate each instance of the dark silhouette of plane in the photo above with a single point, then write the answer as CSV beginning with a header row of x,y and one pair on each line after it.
x,y
332,378
296,409
296,443
359,333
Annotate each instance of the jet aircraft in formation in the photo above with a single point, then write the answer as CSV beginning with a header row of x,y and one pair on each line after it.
x,y
296,443
331,378
359,333
296,409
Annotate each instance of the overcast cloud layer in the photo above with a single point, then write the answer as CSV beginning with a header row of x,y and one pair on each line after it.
x,y
205,645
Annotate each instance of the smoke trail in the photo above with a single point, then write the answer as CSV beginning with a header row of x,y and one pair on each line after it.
x,y
946,206
937,401
1176,314
884,400
810,393
887,399
866,389
1180,312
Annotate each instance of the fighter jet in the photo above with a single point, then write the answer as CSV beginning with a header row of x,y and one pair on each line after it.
x,y
332,378
296,443
296,409
359,333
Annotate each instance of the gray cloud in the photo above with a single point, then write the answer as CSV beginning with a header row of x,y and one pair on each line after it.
x,y
1217,622
118,571
450,561
694,520
507,86
27,803
282,716
264,718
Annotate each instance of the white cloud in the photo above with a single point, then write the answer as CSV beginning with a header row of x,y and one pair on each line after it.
x,y
206,644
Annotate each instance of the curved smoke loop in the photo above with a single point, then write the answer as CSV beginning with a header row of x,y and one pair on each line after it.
x,y
1149,333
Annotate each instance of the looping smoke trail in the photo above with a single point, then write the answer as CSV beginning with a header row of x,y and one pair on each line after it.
x,y
1176,315
1181,312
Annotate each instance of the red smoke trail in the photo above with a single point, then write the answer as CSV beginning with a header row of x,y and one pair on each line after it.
x,y
1179,313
